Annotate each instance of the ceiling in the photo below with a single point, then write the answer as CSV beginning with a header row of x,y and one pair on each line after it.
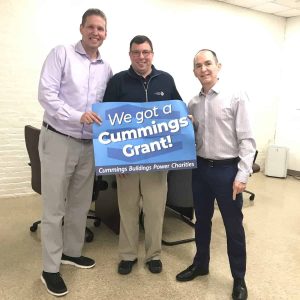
x,y
282,8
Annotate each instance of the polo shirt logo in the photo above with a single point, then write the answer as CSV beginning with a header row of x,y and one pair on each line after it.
x,y
159,93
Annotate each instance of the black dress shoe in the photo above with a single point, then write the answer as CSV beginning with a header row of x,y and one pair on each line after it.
x,y
125,266
154,265
191,272
239,291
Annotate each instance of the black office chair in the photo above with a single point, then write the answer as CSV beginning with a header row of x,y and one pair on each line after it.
x,y
180,200
32,140
107,208
256,169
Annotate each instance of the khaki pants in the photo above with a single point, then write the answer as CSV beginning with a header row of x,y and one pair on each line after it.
x,y
151,190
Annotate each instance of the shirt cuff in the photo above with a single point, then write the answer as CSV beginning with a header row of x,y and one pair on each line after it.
x,y
241,177
76,116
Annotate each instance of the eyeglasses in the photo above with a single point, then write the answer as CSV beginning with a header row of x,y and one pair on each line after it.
x,y
137,53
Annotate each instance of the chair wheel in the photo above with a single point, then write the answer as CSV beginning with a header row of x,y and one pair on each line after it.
x,y
97,223
89,238
89,235
33,228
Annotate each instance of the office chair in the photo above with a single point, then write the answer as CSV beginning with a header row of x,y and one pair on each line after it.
x,y
256,169
32,141
180,200
107,208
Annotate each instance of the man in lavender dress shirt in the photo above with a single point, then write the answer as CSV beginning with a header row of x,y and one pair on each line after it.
x,y
225,152
72,79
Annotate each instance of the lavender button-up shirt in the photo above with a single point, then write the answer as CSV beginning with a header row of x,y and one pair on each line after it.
x,y
223,127
69,84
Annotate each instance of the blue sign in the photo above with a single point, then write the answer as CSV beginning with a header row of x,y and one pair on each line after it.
x,y
143,137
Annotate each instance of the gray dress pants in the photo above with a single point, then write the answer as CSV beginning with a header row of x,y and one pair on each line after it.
x,y
67,176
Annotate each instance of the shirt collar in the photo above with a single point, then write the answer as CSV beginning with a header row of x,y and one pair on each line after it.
x,y
79,49
154,72
215,89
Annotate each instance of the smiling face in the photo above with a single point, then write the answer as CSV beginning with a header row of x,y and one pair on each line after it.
x,y
206,69
93,33
141,56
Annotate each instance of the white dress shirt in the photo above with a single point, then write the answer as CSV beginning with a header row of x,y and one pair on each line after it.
x,y
223,128
70,83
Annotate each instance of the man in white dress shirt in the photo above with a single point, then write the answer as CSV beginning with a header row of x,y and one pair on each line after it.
x,y
225,152
73,77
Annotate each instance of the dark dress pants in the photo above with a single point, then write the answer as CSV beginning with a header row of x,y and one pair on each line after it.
x,y
212,182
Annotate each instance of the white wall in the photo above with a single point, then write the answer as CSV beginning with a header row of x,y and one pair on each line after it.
x,y
248,43
288,124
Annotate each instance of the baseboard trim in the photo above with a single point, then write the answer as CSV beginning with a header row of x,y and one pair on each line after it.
x,y
293,172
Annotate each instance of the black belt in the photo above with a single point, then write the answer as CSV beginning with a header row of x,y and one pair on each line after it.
x,y
49,127
219,162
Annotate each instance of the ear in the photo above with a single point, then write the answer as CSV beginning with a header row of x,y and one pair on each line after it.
x,y
105,34
194,72
80,28
219,66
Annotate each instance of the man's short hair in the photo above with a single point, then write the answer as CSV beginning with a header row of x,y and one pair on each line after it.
x,y
140,39
93,12
211,51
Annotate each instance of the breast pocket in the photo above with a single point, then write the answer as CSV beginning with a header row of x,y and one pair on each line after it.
x,y
226,113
